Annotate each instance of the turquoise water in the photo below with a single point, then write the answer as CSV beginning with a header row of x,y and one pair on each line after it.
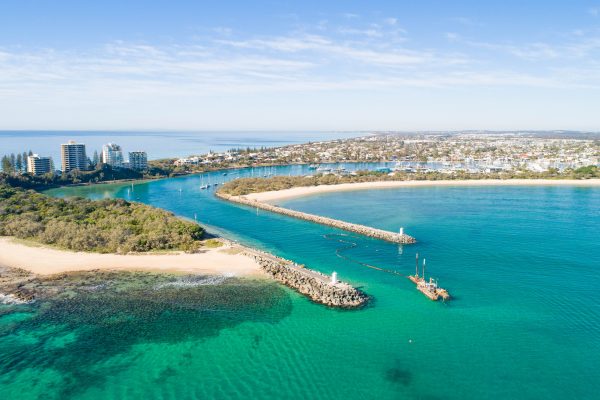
x,y
522,264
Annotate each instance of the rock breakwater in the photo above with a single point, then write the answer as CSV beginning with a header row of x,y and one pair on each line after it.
x,y
317,286
393,237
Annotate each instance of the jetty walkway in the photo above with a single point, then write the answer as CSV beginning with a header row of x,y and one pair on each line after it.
x,y
319,287
393,237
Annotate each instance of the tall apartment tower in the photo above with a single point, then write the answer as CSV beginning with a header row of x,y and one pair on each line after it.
x,y
138,160
37,165
112,154
73,156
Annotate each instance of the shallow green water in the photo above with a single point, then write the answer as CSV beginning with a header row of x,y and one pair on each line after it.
x,y
522,263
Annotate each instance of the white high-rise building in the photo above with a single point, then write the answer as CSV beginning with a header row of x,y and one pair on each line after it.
x,y
112,154
138,160
73,156
37,165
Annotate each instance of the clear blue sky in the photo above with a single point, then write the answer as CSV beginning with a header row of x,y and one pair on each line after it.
x,y
334,65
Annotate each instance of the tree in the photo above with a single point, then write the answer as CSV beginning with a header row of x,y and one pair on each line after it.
x,y
13,161
19,163
6,166
24,161
96,159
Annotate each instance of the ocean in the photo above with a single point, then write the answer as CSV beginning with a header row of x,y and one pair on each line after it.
x,y
521,263
157,144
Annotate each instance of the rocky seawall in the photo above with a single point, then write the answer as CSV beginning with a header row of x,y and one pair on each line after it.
x,y
317,286
393,237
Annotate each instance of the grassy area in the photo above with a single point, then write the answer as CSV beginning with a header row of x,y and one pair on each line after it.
x,y
212,243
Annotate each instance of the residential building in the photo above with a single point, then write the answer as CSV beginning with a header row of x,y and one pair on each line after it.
x,y
138,160
73,157
112,155
37,165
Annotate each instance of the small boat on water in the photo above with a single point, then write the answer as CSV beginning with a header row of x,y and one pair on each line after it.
x,y
428,288
202,185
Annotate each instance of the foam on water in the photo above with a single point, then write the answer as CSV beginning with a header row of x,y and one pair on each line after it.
x,y
196,280
10,299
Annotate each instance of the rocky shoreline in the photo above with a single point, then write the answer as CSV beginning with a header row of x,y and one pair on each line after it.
x,y
393,237
317,286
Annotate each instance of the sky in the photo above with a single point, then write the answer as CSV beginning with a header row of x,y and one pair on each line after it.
x,y
299,65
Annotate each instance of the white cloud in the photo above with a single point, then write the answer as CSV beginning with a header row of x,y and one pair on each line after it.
x,y
466,21
578,46
371,59
452,36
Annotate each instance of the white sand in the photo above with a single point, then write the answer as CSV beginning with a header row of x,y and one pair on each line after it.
x,y
312,190
45,260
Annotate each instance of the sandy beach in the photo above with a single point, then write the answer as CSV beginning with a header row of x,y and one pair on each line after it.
x,y
45,260
313,190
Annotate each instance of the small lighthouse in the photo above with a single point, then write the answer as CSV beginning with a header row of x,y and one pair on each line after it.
x,y
334,278
401,231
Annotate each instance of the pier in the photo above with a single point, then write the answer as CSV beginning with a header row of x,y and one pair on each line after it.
x,y
320,288
400,237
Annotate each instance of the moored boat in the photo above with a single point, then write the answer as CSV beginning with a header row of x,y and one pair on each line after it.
x,y
428,288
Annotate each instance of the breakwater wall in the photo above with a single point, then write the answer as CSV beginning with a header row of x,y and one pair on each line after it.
x,y
393,237
317,286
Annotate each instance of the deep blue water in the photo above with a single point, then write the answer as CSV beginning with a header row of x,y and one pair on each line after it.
x,y
156,144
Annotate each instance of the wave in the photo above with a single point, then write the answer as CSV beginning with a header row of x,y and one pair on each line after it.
x,y
193,281
11,299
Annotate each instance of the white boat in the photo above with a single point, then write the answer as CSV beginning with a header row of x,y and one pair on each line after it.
x,y
202,185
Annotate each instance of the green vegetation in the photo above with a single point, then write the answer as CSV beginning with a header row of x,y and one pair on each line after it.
x,y
114,226
15,164
212,243
588,172
243,186
101,174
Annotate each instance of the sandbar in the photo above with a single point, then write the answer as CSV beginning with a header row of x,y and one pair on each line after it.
x,y
313,190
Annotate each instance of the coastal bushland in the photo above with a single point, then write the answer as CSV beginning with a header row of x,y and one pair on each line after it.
x,y
105,226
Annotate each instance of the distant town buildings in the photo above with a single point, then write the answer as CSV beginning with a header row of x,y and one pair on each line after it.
x,y
444,152
37,165
112,155
73,157
138,160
